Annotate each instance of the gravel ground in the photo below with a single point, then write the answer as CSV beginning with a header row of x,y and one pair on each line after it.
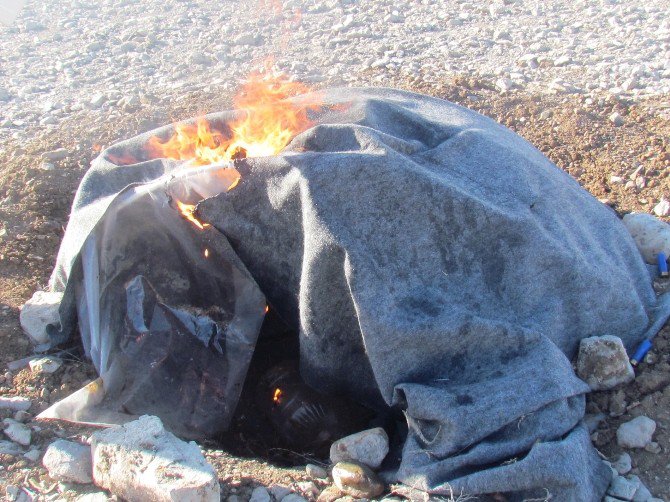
x,y
79,75
94,59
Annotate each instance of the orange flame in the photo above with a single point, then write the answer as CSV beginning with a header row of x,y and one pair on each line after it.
x,y
187,211
277,396
268,122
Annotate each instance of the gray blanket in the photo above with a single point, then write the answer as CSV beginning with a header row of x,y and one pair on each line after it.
x,y
431,260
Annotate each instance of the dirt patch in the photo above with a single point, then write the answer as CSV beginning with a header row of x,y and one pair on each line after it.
x,y
626,167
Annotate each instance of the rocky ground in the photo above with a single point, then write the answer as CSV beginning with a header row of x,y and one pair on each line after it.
x,y
586,82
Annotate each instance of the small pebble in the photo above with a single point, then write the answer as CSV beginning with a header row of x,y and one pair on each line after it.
x,y
616,119
623,464
315,471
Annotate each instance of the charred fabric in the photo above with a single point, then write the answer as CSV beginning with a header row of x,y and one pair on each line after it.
x,y
431,264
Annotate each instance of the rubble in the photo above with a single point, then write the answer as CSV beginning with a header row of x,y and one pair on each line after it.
x,y
278,491
15,403
93,497
48,364
22,416
368,447
10,448
603,363
651,235
33,454
616,119
17,432
38,312
357,480
623,488
293,497
141,460
260,494
637,433
55,155
316,471
623,464
68,461
642,494
330,494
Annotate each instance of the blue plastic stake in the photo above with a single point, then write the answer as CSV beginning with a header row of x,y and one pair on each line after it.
x,y
640,352
662,265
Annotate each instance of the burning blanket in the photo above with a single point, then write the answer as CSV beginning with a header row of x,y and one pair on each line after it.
x,y
431,260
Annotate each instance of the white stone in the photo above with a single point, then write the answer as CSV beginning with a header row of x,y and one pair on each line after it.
x,y
16,431
316,471
68,461
45,365
293,497
629,84
38,312
200,59
368,447
260,494
4,94
97,100
33,454
616,119
623,488
623,464
142,461
651,235
55,155
10,448
562,61
603,363
15,403
636,433
279,491
662,208
93,497
504,84
642,494
22,416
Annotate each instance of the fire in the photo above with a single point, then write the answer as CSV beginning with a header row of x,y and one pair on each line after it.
x,y
187,211
268,122
276,398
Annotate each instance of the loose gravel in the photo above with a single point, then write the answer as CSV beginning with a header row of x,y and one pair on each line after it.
x,y
90,59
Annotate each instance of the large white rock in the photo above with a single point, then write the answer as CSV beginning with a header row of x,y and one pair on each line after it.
x,y
603,363
38,312
651,235
142,461
68,461
368,447
636,433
